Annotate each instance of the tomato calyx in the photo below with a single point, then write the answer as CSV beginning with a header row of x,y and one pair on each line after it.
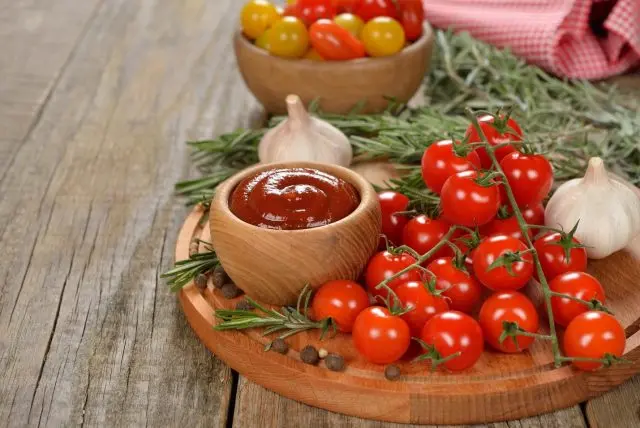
x,y
592,304
567,242
507,260
433,355
430,286
501,122
488,178
461,148
504,213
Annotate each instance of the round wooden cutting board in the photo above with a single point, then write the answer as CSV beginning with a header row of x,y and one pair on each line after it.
x,y
499,387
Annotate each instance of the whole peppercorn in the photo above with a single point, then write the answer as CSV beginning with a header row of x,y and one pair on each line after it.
x,y
392,372
334,362
280,346
201,281
230,291
219,277
309,355
244,305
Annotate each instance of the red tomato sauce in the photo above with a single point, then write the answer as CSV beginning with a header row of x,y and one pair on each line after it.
x,y
293,198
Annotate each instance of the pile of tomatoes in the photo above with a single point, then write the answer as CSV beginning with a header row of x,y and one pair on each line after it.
x,y
469,293
334,30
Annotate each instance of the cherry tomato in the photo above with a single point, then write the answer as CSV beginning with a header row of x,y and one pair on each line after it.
x,y
382,36
576,284
530,177
466,202
309,11
553,255
423,233
440,161
334,42
451,332
411,17
288,38
313,55
345,6
494,137
508,306
461,243
380,337
423,304
593,334
370,9
350,22
256,17
461,290
499,278
505,226
340,300
383,265
263,40
533,214
393,224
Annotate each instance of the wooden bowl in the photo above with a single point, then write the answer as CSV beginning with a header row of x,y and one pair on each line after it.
x,y
339,85
273,266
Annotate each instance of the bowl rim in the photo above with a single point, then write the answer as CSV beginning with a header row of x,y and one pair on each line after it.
x,y
366,192
421,44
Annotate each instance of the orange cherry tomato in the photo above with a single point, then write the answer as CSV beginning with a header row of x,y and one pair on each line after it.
x,y
351,22
411,18
288,38
256,17
369,9
309,11
383,36
334,42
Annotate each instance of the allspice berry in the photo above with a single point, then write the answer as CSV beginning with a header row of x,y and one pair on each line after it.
x,y
201,281
392,372
244,305
280,346
334,362
309,355
219,277
230,291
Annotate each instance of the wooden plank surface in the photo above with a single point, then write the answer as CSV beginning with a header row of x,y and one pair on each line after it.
x,y
96,100
89,333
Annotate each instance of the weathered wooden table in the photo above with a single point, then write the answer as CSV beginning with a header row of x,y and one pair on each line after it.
x,y
96,100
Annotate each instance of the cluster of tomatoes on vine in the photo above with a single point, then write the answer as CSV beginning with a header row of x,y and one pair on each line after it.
x,y
452,290
333,30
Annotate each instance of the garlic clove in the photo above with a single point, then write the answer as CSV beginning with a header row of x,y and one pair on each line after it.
x,y
607,208
302,137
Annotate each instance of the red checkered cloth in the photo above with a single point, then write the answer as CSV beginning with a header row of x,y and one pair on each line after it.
x,y
588,39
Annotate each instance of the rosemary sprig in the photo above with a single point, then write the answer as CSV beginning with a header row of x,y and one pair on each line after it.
x,y
184,271
287,321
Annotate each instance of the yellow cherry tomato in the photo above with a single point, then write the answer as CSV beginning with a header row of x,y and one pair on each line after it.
x,y
350,22
313,55
256,17
291,1
288,38
383,36
263,41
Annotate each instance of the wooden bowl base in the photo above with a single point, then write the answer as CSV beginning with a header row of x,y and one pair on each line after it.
x,y
499,387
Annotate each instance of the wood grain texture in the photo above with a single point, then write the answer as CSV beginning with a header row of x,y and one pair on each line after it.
x,y
339,85
622,405
499,387
88,332
273,266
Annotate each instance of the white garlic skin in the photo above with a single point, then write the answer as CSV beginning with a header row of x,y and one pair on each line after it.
x,y
608,211
302,137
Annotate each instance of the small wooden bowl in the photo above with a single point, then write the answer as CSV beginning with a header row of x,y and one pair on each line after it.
x,y
273,266
339,85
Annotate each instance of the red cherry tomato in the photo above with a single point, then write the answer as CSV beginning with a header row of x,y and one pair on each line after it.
x,y
451,332
505,226
423,233
494,138
462,291
553,256
575,284
533,214
341,301
392,223
513,307
423,304
369,9
499,278
465,202
411,18
440,162
380,337
309,11
383,265
333,42
530,177
345,6
460,242
592,335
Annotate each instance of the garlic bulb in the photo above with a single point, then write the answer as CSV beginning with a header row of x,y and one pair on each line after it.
x,y
302,137
607,208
